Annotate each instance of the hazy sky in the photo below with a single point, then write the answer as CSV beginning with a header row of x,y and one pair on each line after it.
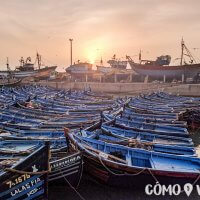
x,y
99,28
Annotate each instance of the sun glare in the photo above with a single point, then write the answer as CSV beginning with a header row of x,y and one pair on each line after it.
x,y
92,56
95,49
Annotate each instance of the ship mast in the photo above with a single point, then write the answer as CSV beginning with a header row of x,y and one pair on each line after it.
x,y
8,70
7,65
188,53
101,61
38,57
140,56
182,48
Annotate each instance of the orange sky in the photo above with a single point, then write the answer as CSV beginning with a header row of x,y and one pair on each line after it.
x,y
99,28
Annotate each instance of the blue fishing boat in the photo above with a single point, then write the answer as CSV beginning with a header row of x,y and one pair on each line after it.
x,y
155,121
123,166
134,143
163,116
152,128
25,177
145,136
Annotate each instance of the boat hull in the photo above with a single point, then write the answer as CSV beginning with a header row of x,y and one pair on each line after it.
x,y
15,185
67,169
40,73
167,71
113,175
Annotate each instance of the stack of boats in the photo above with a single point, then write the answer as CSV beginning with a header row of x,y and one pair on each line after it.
x,y
47,133
33,147
141,143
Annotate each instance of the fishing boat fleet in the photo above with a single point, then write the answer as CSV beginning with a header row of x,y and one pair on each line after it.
x,y
33,147
50,136
141,143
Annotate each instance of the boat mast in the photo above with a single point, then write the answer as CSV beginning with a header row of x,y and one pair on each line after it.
x,y
140,56
188,53
101,61
8,70
7,65
182,48
71,40
38,57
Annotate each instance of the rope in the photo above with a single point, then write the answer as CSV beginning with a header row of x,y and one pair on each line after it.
x,y
24,172
198,177
196,180
71,186
80,175
126,174
156,180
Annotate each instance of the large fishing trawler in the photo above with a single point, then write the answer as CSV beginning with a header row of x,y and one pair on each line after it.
x,y
27,69
160,67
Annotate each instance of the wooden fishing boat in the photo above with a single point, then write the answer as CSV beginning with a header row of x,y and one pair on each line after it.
x,y
16,133
152,128
110,129
95,132
160,68
26,69
66,166
162,116
165,122
153,112
10,83
166,107
115,164
21,147
25,177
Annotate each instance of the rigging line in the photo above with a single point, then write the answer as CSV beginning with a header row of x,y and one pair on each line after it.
x,y
127,174
197,58
48,61
72,187
189,54
195,181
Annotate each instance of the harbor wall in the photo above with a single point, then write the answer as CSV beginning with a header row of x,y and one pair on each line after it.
x,y
185,90
115,88
129,88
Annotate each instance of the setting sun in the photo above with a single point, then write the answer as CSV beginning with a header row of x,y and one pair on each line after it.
x,y
95,49
92,56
